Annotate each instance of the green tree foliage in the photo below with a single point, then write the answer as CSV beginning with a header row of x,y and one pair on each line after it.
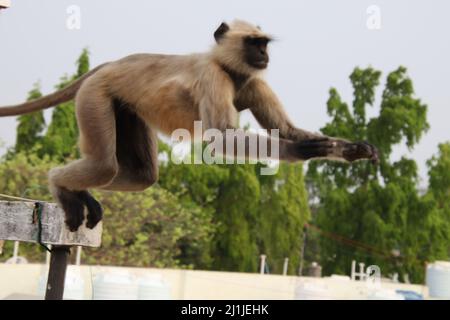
x,y
439,173
237,214
253,214
61,138
31,126
438,200
25,175
83,64
283,212
150,228
378,207
194,186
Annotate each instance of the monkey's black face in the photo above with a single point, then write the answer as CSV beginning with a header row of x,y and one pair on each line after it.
x,y
255,51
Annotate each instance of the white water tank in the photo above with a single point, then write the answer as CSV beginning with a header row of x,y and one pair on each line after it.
x,y
438,279
73,284
384,294
152,287
115,285
312,291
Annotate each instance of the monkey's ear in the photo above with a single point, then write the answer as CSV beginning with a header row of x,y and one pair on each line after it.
x,y
220,32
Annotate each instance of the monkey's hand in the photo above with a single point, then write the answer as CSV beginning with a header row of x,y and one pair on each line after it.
x,y
353,151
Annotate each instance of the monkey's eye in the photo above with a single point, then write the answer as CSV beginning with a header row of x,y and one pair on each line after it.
x,y
257,41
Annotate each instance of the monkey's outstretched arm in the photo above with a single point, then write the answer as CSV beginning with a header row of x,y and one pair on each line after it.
x,y
268,110
246,145
51,100
218,112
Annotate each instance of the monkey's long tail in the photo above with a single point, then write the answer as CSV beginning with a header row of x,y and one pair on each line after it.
x,y
50,100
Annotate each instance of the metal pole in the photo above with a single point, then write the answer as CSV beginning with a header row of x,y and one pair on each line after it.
x,y
362,273
285,266
16,251
57,273
263,264
48,255
302,252
353,270
78,257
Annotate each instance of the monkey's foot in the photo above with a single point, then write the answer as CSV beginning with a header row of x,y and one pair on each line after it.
x,y
95,211
73,203
73,207
360,150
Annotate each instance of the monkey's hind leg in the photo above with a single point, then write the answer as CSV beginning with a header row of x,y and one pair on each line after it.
x,y
136,151
98,166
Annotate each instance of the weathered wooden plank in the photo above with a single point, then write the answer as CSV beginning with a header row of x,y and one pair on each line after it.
x,y
16,223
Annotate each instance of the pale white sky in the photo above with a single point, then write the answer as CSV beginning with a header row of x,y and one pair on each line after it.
x,y
319,44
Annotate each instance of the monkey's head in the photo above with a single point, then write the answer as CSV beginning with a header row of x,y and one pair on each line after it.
x,y
241,47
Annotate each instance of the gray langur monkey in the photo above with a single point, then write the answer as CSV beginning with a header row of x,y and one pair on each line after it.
x,y
121,105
